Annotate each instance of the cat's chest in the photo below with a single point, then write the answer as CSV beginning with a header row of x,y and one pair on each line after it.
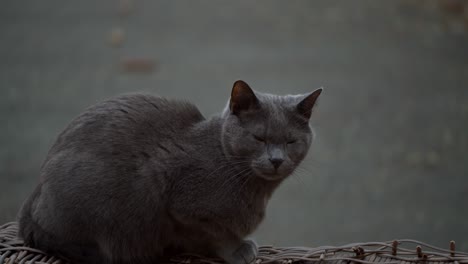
x,y
251,213
246,209
241,195
255,207
226,195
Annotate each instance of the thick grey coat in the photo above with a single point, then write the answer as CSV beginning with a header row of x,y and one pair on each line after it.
x,y
138,177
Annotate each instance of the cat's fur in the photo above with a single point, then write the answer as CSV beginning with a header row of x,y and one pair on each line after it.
x,y
137,177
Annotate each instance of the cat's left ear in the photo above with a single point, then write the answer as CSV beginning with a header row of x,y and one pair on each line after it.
x,y
306,105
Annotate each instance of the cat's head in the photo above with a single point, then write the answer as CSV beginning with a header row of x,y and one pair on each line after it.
x,y
269,133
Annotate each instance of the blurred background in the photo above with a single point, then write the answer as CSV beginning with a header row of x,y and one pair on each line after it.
x,y
391,155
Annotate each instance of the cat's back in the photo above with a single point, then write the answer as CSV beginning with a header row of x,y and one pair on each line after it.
x,y
130,119
117,148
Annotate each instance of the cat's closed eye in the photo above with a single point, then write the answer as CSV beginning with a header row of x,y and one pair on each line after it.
x,y
291,141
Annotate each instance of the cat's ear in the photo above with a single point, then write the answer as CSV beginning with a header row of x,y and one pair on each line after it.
x,y
306,105
242,98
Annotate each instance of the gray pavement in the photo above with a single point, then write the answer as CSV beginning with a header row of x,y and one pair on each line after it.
x,y
391,155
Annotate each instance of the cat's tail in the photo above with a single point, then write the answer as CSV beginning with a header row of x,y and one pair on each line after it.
x,y
32,233
34,236
26,223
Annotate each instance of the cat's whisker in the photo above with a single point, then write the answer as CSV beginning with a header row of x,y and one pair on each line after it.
x,y
304,170
224,165
245,179
234,179
297,179
245,182
229,168
298,173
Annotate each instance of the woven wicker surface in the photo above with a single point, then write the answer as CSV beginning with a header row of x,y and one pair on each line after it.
x,y
12,251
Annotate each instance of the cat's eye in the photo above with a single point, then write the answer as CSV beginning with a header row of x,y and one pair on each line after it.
x,y
258,138
292,141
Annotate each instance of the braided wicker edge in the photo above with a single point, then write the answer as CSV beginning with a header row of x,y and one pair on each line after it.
x,y
12,251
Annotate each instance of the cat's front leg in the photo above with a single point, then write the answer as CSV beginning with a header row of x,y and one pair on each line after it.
x,y
244,252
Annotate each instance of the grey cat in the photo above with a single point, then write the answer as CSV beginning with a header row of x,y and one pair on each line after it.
x,y
138,177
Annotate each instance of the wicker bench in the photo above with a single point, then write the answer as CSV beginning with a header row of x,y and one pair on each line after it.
x,y
12,251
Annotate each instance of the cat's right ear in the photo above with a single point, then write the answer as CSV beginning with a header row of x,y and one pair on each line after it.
x,y
242,98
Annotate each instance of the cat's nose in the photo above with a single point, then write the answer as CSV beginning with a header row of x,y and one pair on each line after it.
x,y
276,162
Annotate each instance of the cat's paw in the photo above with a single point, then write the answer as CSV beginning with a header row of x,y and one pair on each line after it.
x,y
246,253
